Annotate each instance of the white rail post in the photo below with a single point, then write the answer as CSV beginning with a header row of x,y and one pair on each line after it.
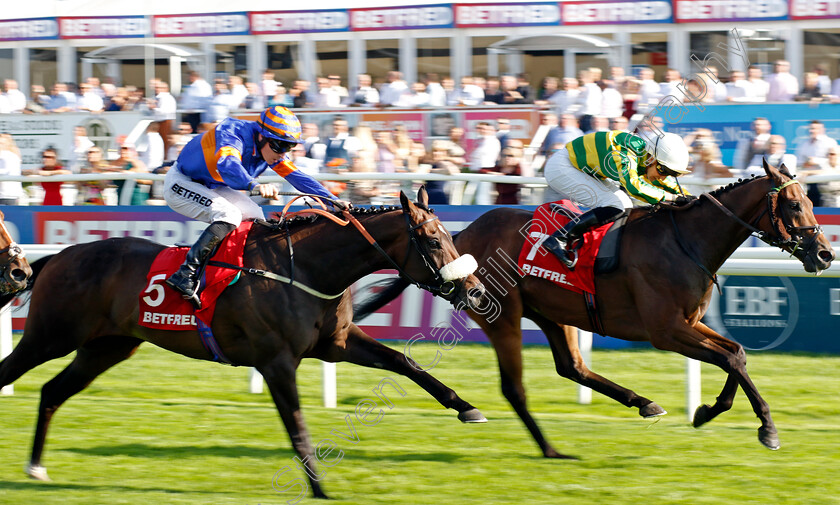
x,y
328,385
6,342
585,344
692,387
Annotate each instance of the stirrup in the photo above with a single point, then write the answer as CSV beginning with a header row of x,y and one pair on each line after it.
x,y
569,258
194,299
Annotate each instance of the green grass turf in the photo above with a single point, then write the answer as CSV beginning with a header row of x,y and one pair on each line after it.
x,y
163,429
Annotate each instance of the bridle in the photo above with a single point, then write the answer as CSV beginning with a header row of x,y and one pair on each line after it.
x,y
13,252
793,242
441,286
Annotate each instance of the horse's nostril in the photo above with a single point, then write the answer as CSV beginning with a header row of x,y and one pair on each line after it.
x,y
826,256
18,275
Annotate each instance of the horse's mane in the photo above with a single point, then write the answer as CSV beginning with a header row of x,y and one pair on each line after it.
x,y
732,185
308,219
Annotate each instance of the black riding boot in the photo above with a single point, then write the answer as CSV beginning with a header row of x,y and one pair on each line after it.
x,y
561,241
185,280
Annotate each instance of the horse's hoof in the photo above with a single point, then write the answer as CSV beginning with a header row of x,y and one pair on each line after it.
x,y
768,438
551,453
472,416
651,410
701,415
37,472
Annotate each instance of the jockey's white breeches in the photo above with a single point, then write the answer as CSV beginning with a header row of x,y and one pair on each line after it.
x,y
193,199
582,188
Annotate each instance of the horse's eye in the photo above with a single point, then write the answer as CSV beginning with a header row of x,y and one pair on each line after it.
x,y
795,206
434,244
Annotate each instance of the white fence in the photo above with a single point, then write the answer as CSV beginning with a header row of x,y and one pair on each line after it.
x,y
745,261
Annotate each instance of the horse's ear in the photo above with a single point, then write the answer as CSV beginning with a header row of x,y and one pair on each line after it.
x,y
784,170
423,197
405,202
768,169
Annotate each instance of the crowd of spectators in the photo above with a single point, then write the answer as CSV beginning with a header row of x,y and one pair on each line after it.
x,y
593,100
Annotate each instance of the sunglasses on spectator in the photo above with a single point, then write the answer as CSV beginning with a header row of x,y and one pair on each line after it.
x,y
48,156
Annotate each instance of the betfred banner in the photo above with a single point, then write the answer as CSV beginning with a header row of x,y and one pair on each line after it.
x,y
622,12
111,27
402,18
201,25
708,11
507,15
300,21
28,29
814,9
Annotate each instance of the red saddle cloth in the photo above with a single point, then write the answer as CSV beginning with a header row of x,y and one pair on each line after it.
x,y
536,261
163,308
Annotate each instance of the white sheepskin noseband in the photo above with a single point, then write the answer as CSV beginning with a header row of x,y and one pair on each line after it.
x,y
458,269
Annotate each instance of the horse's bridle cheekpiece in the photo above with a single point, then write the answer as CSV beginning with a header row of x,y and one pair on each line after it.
x,y
13,251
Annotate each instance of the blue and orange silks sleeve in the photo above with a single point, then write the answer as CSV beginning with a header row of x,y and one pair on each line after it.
x,y
224,163
301,181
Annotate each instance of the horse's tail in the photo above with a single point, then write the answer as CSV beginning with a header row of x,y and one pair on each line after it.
x,y
36,267
378,300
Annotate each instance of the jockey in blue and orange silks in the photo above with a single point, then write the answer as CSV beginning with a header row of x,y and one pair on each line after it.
x,y
208,179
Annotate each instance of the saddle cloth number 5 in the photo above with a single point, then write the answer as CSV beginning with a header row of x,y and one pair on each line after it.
x,y
157,289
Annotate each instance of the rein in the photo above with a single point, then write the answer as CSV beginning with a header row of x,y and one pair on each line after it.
x,y
443,287
790,244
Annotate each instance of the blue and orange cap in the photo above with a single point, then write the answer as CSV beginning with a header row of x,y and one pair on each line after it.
x,y
280,123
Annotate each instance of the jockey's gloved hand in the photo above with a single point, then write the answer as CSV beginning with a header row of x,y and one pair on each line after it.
x,y
681,200
341,204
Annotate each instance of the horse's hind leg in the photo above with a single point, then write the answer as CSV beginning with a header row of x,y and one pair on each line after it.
x,y
361,349
30,353
91,360
569,364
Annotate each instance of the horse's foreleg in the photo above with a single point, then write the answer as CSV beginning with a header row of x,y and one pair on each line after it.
x,y
569,364
363,350
704,344
91,360
279,374
506,336
706,413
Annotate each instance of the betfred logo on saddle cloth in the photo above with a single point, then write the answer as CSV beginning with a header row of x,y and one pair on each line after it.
x,y
163,308
536,261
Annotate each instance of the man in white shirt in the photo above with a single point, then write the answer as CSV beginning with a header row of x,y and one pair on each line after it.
x,y
79,149
669,85
649,91
89,101
739,89
164,107
326,97
16,97
589,99
783,85
390,92
238,91
196,97
813,152
749,151
437,95
776,156
469,93
338,89
566,99
365,94
483,157
760,86
268,85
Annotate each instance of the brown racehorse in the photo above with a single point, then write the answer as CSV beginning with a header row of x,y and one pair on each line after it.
x,y
85,299
14,269
658,293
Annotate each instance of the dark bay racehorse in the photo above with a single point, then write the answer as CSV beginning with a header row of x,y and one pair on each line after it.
x,y
14,269
85,299
659,292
